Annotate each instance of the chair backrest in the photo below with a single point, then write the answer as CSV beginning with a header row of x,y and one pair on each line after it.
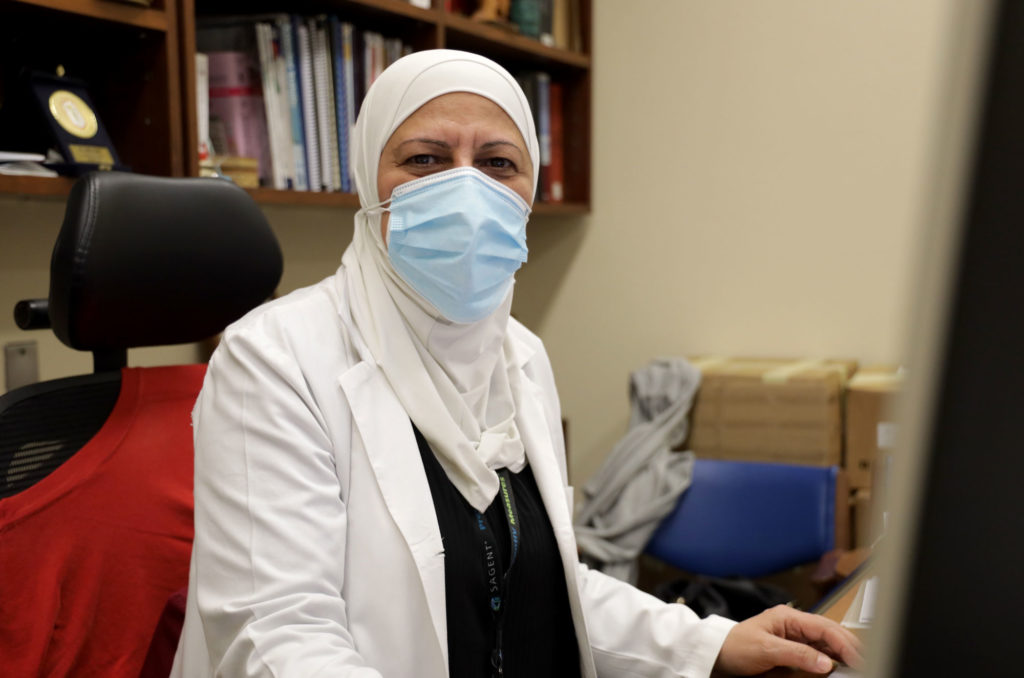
x,y
96,470
752,519
139,261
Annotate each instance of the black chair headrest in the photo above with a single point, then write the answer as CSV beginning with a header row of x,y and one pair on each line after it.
x,y
150,261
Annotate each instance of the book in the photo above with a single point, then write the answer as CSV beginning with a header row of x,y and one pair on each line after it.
x,y
526,14
341,51
542,115
358,69
392,51
556,169
236,101
560,17
203,104
272,108
547,11
286,35
284,112
373,57
304,66
322,100
334,155
351,110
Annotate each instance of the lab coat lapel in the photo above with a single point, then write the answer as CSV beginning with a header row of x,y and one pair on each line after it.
x,y
391,447
540,452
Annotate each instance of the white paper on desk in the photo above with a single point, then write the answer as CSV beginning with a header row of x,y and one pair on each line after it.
x,y
26,169
867,608
16,156
862,609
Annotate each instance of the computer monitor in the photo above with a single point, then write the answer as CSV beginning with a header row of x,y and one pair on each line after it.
x,y
952,560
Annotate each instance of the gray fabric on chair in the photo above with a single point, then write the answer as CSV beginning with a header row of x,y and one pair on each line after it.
x,y
643,477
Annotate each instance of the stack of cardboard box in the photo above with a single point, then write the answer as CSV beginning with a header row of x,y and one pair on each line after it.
x,y
870,435
784,411
818,412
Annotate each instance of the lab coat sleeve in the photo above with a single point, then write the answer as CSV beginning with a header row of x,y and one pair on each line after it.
x,y
270,541
635,634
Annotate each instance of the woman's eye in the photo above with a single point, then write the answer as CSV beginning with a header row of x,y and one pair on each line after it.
x,y
422,160
502,164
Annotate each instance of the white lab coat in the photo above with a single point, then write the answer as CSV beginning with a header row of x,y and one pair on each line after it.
x,y
317,550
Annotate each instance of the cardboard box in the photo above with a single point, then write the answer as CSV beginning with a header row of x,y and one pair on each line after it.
x,y
862,521
785,411
870,429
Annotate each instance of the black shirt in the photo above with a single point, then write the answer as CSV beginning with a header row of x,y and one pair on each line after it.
x,y
538,638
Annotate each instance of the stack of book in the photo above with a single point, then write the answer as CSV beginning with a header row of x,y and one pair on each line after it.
x,y
285,90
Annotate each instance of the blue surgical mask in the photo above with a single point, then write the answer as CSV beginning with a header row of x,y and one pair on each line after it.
x,y
458,237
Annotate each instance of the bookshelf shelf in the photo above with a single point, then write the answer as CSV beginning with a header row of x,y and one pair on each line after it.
x,y
269,196
390,7
566,209
35,186
464,33
155,19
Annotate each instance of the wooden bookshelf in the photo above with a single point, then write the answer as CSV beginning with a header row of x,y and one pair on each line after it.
x,y
126,54
139,64
425,29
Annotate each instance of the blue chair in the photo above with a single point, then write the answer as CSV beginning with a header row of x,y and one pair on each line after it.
x,y
751,519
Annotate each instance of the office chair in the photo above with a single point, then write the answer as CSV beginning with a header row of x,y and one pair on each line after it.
x,y
750,519
96,470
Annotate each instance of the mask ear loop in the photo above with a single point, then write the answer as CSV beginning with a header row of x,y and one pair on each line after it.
x,y
368,213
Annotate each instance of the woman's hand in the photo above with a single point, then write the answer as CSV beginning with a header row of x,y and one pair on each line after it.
x,y
783,636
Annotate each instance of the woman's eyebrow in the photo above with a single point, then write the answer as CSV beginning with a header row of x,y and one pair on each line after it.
x,y
423,140
499,142
444,145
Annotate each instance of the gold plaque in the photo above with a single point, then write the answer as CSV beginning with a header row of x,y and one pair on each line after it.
x,y
94,155
74,115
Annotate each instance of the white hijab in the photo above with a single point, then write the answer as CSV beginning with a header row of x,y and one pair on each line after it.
x,y
458,382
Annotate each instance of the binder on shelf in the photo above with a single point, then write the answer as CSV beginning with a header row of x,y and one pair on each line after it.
x,y
340,47
351,106
322,98
304,64
323,27
279,149
298,138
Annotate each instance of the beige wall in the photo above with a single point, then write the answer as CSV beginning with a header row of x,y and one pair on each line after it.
x,y
758,178
758,172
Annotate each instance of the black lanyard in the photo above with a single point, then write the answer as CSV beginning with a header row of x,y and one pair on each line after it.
x,y
497,582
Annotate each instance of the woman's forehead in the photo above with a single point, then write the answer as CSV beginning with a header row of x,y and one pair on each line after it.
x,y
455,113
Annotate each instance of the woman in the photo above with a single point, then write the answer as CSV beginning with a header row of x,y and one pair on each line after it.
x,y
380,479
